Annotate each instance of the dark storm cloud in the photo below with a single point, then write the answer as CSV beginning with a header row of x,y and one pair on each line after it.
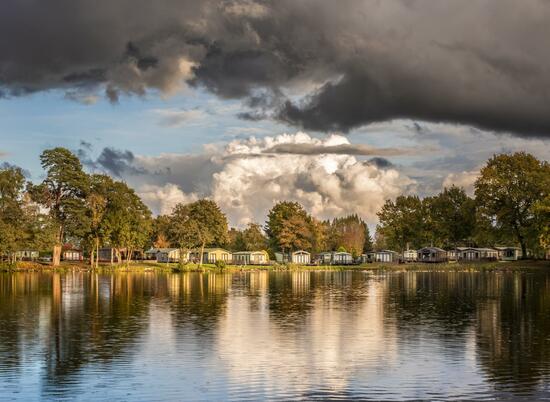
x,y
381,163
112,161
320,64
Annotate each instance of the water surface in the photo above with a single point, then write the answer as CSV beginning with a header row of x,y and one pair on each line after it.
x,y
277,335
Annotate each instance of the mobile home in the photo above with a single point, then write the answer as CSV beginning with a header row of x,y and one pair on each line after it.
x,y
431,254
300,257
251,257
386,256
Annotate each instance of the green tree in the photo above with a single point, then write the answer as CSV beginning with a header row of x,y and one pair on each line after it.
x,y
368,245
127,220
63,193
235,240
12,217
451,216
288,227
403,223
159,233
197,225
507,190
253,238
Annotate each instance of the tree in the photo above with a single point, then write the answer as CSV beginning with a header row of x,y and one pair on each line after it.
x,y
253,238
127,220
288,227
368,244
402,222
451,216
12,233
197,225
96,203
507,190
542,213
62,192
235,240
159,233
348,232
319,235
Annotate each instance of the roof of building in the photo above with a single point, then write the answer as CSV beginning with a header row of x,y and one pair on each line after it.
x,y
211,249
432,249
250,252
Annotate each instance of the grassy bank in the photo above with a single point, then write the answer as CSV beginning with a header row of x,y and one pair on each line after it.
x,y
158,267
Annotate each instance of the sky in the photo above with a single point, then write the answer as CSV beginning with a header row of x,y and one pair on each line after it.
x,y
337,105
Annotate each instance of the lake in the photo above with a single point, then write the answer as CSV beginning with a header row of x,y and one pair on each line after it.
x,y
277,335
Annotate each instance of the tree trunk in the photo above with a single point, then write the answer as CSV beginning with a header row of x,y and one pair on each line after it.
x,y
523,248
97,252
92,258
201,255
129,257
56,257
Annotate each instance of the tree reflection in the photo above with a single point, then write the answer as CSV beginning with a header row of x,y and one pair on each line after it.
x,y
513,333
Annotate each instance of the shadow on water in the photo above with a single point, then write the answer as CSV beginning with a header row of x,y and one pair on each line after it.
x,y
69,324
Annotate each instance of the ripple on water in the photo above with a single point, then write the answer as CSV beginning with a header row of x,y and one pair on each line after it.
x,y
281,336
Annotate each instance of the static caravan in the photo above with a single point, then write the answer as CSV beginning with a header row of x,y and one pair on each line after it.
x,y
476,254
168,255
509,253
366,258
251,257
342,258
27,255
107,254
386,256
431,254
300,257
410,255
72,255
151,254
211,255
324,258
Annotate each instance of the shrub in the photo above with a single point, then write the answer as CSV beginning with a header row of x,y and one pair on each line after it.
x,y
220,264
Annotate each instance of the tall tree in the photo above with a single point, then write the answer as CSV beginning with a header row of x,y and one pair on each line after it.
x,y
253,238
62,192
368,245
348,232
96,203
159,233
197,225
127,222
288,227
542,213
402,222
12,217
507,190
451,216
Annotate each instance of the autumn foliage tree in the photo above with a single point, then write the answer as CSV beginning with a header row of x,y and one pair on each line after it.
x,y
288,227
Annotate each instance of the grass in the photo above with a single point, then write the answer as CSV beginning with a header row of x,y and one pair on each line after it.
x,y
162,267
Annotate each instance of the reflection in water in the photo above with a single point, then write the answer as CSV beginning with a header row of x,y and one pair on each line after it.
x,y
288,335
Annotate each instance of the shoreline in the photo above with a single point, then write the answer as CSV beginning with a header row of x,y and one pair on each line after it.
x,y
527,265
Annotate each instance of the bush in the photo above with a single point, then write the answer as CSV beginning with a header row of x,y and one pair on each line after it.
x,y
220,264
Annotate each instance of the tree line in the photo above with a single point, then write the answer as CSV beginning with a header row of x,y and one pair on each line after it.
x,y
511,205
91,211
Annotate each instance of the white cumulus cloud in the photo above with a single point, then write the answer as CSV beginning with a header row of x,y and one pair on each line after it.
x,y
246,181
